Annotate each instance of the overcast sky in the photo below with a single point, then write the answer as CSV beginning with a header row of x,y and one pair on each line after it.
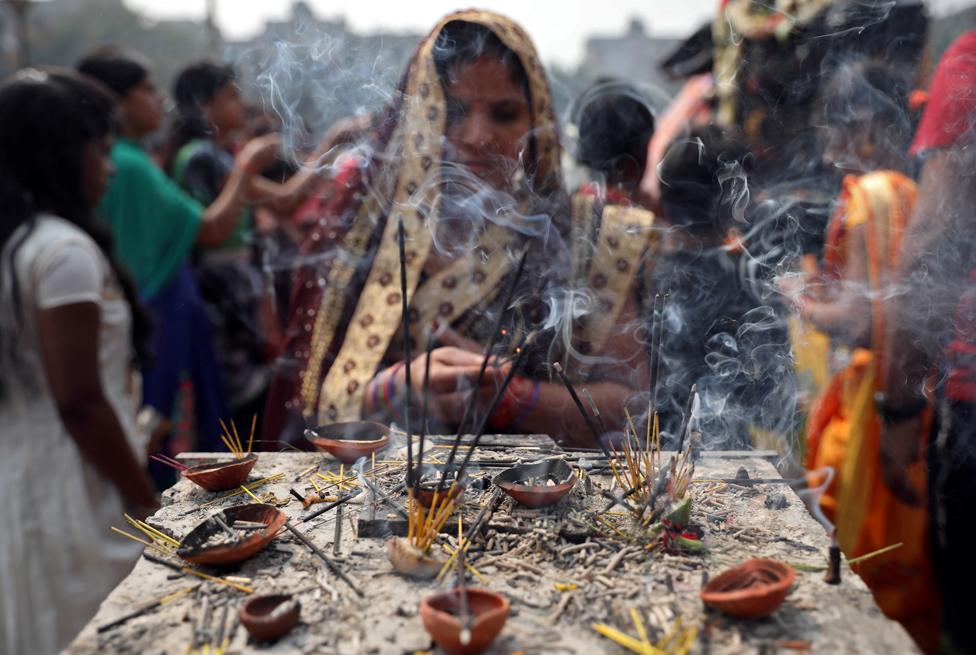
x,y
558,27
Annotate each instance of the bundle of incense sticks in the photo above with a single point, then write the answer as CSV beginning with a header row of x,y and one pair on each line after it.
x,y
424,524
166,460
232,439
156,539
640,466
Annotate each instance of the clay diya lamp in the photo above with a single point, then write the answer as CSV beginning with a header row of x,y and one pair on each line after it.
x,y
430,478
410,561
212,543
751,590
347,442
222,476
440,614
537,485
268,618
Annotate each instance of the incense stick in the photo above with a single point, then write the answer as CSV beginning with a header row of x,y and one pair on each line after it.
x,y
337,538
492,341
423,414
521,349
194,572
325,558
582,410
178,467
657,338
686,417
405,329
146,608
250,440
595,410
465,614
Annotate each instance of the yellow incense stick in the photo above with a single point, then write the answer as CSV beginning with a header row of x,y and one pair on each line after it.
x,y
230,446
204,576
875,553
229,438
176,594
237,438
135,538
411,516
150,531
248,492
622,639
250,440
639,626
438,524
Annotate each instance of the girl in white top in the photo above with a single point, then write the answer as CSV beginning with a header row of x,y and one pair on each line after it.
x,y
69,461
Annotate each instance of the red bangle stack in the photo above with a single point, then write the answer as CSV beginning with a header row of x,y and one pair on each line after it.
x,y
518,401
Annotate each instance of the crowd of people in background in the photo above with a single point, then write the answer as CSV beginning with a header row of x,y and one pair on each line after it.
x,y
161,273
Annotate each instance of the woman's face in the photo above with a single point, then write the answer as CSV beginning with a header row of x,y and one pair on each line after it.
x,y
142,107
226,110
488,120
96,169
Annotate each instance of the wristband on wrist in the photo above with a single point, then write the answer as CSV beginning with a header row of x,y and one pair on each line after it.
x,y
387,389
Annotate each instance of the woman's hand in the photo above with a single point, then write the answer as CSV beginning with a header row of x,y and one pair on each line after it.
x,y
452,379
259,153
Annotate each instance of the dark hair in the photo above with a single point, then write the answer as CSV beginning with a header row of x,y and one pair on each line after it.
x,y
615,125
47,117
460,43
120,69
868,92
195,86
703,180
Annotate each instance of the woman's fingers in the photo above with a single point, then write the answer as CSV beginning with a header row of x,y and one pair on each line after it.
x,y
452,338
456,356
444,378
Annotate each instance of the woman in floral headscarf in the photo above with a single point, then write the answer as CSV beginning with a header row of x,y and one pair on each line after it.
x,y
467,157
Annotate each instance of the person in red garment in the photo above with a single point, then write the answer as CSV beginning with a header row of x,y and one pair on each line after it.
x,y
931,341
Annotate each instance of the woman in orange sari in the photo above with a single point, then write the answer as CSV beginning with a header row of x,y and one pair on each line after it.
x,y
867,131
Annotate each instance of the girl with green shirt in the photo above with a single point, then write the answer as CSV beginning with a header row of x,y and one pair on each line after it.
x,y
156,225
